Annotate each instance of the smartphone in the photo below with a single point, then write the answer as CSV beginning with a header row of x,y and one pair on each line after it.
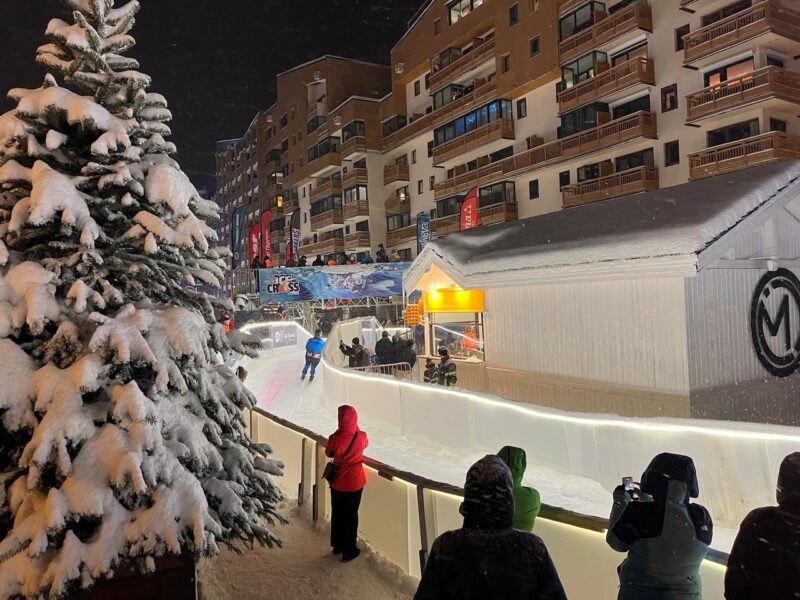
x,y
627,483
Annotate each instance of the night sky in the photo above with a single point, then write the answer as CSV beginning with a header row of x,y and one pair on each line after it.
x,y
216,61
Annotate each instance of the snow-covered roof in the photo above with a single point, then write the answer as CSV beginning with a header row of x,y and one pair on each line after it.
x,y
659,233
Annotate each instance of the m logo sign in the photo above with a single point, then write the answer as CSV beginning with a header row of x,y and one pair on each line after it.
x,y
775,322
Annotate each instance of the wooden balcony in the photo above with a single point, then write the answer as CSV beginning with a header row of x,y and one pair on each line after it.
x,y
767,17
498,213
565,6
395,173
476,98
290,205
355,210
629,127
395,205
278,235
327,219
630,19
640,179
327,186
764,84
441,76
325,163
323,247
502,129
756,150
357,240
445,225
398,236
354,146
466,181
636,71
354,177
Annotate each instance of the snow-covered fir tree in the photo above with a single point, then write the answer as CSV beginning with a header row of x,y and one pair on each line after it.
x,y
122,436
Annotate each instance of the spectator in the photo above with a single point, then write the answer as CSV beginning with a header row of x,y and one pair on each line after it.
x,y
406,353
665,536
346,447
255,265
447,368
318,262
367,259
381,254
487,557
269,264
303,261
397,348
395,256
383,349
527,503
765,559
431,374
241,373
470,341
332,262
357,354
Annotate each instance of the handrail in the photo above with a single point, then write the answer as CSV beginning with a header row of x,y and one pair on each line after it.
x,y
636,16
386,369
639,69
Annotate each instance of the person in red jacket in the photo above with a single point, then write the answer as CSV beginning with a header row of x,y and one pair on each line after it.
x,y
346,447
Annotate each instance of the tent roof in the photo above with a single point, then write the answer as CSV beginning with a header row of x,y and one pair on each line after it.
x,y
658,233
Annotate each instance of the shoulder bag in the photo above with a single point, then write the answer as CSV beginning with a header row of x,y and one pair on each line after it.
x,y
332,469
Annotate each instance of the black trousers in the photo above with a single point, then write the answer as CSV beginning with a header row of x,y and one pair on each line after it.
x,y
344,520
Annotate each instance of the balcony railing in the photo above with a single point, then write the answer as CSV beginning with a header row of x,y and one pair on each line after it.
x,y
398,236
491,132
634,71
394,173
466,181
326,161
639,124
326,219
395,205
354,145
290,205
353,210
769,82
478,95
404,133
761,18
741,154
356,239
327,186
441,76
445,225
636,16
498,213
640,179
565,6
354,177
329,246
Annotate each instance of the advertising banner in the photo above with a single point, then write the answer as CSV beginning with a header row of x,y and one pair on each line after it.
x,y
266,244
293,243
348,282
470,217
237,237
284,336
254,244
423,231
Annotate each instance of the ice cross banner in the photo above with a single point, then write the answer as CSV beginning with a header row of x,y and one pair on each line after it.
x,y
348,282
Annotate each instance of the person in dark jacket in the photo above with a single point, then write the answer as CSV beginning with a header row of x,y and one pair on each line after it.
x,y
527,502
381,255
346,447
397,347
318,262
431,373
765,559
406,353
255,266
313,354
303,261
666,537
487,558
447,368
383,349
357,354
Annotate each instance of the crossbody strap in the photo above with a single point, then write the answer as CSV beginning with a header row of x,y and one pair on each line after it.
x,y
353,441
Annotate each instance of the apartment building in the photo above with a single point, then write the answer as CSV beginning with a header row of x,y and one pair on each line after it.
x,y
543,105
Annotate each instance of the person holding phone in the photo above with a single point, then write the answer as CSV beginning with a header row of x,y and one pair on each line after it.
x,y
665,535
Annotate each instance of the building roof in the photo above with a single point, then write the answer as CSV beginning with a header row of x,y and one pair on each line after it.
x,y
659,233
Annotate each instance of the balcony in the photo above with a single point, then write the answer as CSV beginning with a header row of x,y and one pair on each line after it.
x,y
441,76
565,6
398,236
640,179
610,28
354,177
330,218
477,97
357,241
604,86
332,245
327,186
779,25
354,146
396,138
444,225
756,150
395,173
290,205
356,211
498,213
769,83
326,163
501,129
466,181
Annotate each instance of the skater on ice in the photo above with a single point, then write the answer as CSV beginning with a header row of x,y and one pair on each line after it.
x,y
313,354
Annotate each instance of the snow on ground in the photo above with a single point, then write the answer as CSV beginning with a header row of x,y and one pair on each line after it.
x,y
302,568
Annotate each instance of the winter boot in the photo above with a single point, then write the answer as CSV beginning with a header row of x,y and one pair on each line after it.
x,y
303,377
310,379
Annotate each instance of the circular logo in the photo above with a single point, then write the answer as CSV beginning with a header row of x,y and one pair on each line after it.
x,y
775,322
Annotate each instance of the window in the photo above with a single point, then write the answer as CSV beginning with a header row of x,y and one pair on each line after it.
x,y
679,33
581,119
316,123
588,172
292,113
643,158
430,149
420,187
774,61
582,69
427,81
461,334
672,153
325,205
405,254
448,206
413,157
513,14
284,121
285,145
353,129
563,179
533,189
437,27
355,194
726,11
728,72
394,124
323,147
733,133
499,109
635,105
398,221
669,98
636,51
535,46
579,20
458,9
777,125
506,63
432,183
305,217
417,88
522,108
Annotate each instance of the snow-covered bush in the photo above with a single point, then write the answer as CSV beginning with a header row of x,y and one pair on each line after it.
x,y
122,437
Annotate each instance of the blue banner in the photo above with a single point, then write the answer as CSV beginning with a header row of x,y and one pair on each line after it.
x,y
423,231
348,282
237,236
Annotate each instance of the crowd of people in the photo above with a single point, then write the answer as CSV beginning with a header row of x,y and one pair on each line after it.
x,y
332,260
664,534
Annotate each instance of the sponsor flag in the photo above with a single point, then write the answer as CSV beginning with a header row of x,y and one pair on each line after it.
x,y
254,243
470,217
266,245
293,243
423,231
237,237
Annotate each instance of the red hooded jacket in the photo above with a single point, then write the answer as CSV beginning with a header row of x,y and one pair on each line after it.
x,y
350,477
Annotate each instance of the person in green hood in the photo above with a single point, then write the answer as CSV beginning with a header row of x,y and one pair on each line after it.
x,y
527,503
